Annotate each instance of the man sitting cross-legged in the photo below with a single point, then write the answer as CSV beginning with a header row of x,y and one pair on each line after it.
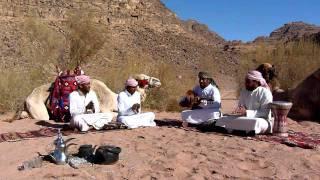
x,y
129,107
205,102
84,107
253,112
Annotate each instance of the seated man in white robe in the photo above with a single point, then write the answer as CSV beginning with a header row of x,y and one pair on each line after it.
x,y
129,107
206,102
253,111
84,107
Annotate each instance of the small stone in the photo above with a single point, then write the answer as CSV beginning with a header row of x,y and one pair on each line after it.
x,y
33,163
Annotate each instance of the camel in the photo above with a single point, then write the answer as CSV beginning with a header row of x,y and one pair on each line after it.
x,y
305,98
36,101
269,73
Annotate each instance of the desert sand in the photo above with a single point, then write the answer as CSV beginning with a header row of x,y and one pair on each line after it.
x,y
167,153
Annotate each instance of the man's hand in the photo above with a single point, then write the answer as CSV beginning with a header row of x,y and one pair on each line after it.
x,y
90,106
197,100
241,110
135,108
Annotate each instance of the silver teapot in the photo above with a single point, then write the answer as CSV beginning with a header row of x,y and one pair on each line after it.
x,y
60,153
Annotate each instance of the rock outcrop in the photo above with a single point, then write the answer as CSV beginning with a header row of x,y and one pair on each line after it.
x,y
291,32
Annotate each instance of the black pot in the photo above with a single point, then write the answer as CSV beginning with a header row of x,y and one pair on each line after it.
x,y
86,152
107,154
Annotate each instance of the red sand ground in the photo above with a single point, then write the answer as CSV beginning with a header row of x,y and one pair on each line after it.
x,y
167,153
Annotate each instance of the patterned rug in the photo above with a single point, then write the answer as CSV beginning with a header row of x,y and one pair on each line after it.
x,y
49,132
294,139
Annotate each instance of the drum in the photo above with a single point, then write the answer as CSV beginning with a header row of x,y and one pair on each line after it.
x,y
280,110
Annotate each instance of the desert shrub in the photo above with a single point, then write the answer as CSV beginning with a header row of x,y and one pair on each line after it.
x,y
85,37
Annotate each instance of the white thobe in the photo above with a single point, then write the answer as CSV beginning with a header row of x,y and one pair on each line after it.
x,y
258,101
210,106
79,118
127,116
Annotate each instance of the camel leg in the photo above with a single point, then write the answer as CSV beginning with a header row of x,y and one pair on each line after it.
x,y
35,103
37,110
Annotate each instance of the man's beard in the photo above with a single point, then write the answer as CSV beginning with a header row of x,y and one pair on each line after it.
x,y
203,86
85,91
250,88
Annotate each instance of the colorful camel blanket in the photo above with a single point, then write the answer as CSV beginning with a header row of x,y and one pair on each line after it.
x,y
49,132
59,97
294,139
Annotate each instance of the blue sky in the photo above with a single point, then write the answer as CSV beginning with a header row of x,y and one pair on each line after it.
x,y
246,19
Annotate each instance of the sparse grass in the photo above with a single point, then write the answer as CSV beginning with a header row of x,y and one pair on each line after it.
x,y
164,98
79,43
43,48
294,61
42,44
16,86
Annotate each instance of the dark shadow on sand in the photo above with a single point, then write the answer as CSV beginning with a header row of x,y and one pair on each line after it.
x,y
169,123
204,128
66,128
62,126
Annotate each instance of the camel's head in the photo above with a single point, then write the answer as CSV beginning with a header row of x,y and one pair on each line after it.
x,y
147,81
268,71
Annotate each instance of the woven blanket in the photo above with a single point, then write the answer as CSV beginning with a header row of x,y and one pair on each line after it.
x,y
49,132
59,97
294,139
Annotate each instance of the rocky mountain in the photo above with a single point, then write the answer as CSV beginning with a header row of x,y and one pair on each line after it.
x,y
291,32
141,27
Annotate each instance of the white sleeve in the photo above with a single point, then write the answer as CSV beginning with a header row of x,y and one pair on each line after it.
x,y
216,95
216,98
266,99
122,109
73,105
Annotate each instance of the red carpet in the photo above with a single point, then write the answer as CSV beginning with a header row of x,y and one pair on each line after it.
x,y
294,139
48,132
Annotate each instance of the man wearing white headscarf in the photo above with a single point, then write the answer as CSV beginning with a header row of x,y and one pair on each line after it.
x,y
84,107
129,107
253,111
207,102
